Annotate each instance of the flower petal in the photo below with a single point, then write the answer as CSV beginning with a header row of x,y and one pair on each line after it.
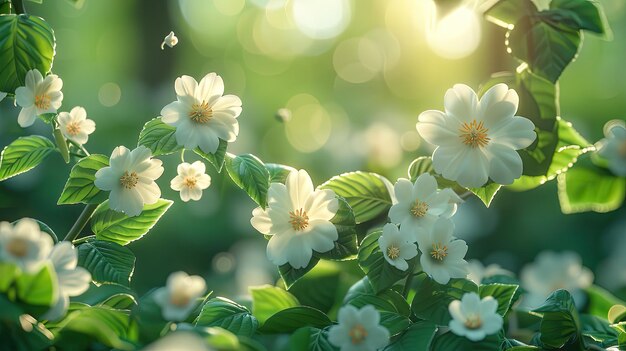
x,y
438,128
185,86
210,89
516,132
499,103
461,102
300,187
505,164
27,116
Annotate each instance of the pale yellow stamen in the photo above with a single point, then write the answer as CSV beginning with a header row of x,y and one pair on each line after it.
x,y
180,298
201,113
474,134
419,208
73,128
17,247
299,219
42,101
357,334
439,251
129,181
473,322
190,182
393,252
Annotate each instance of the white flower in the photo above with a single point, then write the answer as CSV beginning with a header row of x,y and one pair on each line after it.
x,y
72,280
420,204
358,329
201,114
442,255
298,220
75,125
191,180
170,40
474,318
40,95
24,244
130,178
2,95
397,246
179,297
476,140
552,271
613,148
180,341
478,271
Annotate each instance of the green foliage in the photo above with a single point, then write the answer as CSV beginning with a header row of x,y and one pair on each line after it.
x,y
366,193
580,14
310,338
108,262
486,193
278,173
38,288
506,13
600,302
503,293
575,194
320,288
290,275
116,227
432,299
451,342
268,300
560,322
418,337
26,43
80,187
8,273
227,314
24,154
293,318
346,244
250,174
381,274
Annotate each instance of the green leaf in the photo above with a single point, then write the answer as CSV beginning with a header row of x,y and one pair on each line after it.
x,y
560,323
312,339
346,244
366,193
381,274
23,154
6,8
575,194
116,227
80,187
451,342
227,314
48,117
268,300
599,330
379,303
250,174
278,173
503,293
420,165
600,301
394,322
506,13
108,262
38,288
486,193
546,47
26,43
432,299
290,275
320,287
293,318
580,14
217,158
418,337
8,273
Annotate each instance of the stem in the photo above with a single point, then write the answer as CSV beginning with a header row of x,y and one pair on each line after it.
x,y
407,286
182,155
18,7
465,195
84,150
82,220
61,144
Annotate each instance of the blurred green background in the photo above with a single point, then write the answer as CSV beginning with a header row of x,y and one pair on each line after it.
x,y
353,74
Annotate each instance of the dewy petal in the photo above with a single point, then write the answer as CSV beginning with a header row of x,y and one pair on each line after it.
x,y
120,158
300,187
505,164
186,134
516,132
497,104
107,179
437,128
63,256
27,116
33,79
150,192
185,86
461,102
469,167
224,126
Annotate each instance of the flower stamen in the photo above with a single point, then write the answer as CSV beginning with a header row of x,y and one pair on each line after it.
x,y
129,181
190,182
439,251
18,247
201,113
299,219
42,101
393,252
473,322
474,134
419,209
179,298
73,128
357,334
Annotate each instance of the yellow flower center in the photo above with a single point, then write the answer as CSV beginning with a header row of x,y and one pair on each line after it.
x,y
299,220
17,247
201,113
42,101
190,182
439,251
73,128
474,134
393,252
357,334
180,298
473,322
129,181
419,208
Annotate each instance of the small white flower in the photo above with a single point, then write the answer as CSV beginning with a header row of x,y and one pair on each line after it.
x,y
476,140
552,271
75,125
298,219
191,180
24,244
613,148
40,95
72,280
179,297
201,115
358,329
442,254
130,179
397,246
2,95
170,40
420,204
474,318
478,271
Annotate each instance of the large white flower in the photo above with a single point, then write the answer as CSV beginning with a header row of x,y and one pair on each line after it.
x,y
72,280
40,95
191,180
397,246
552,271
478,271
442,254
75,125
130,179
613,148
298,219
201,114
24,244
421,203
476,140
474,318
179,297
358,330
